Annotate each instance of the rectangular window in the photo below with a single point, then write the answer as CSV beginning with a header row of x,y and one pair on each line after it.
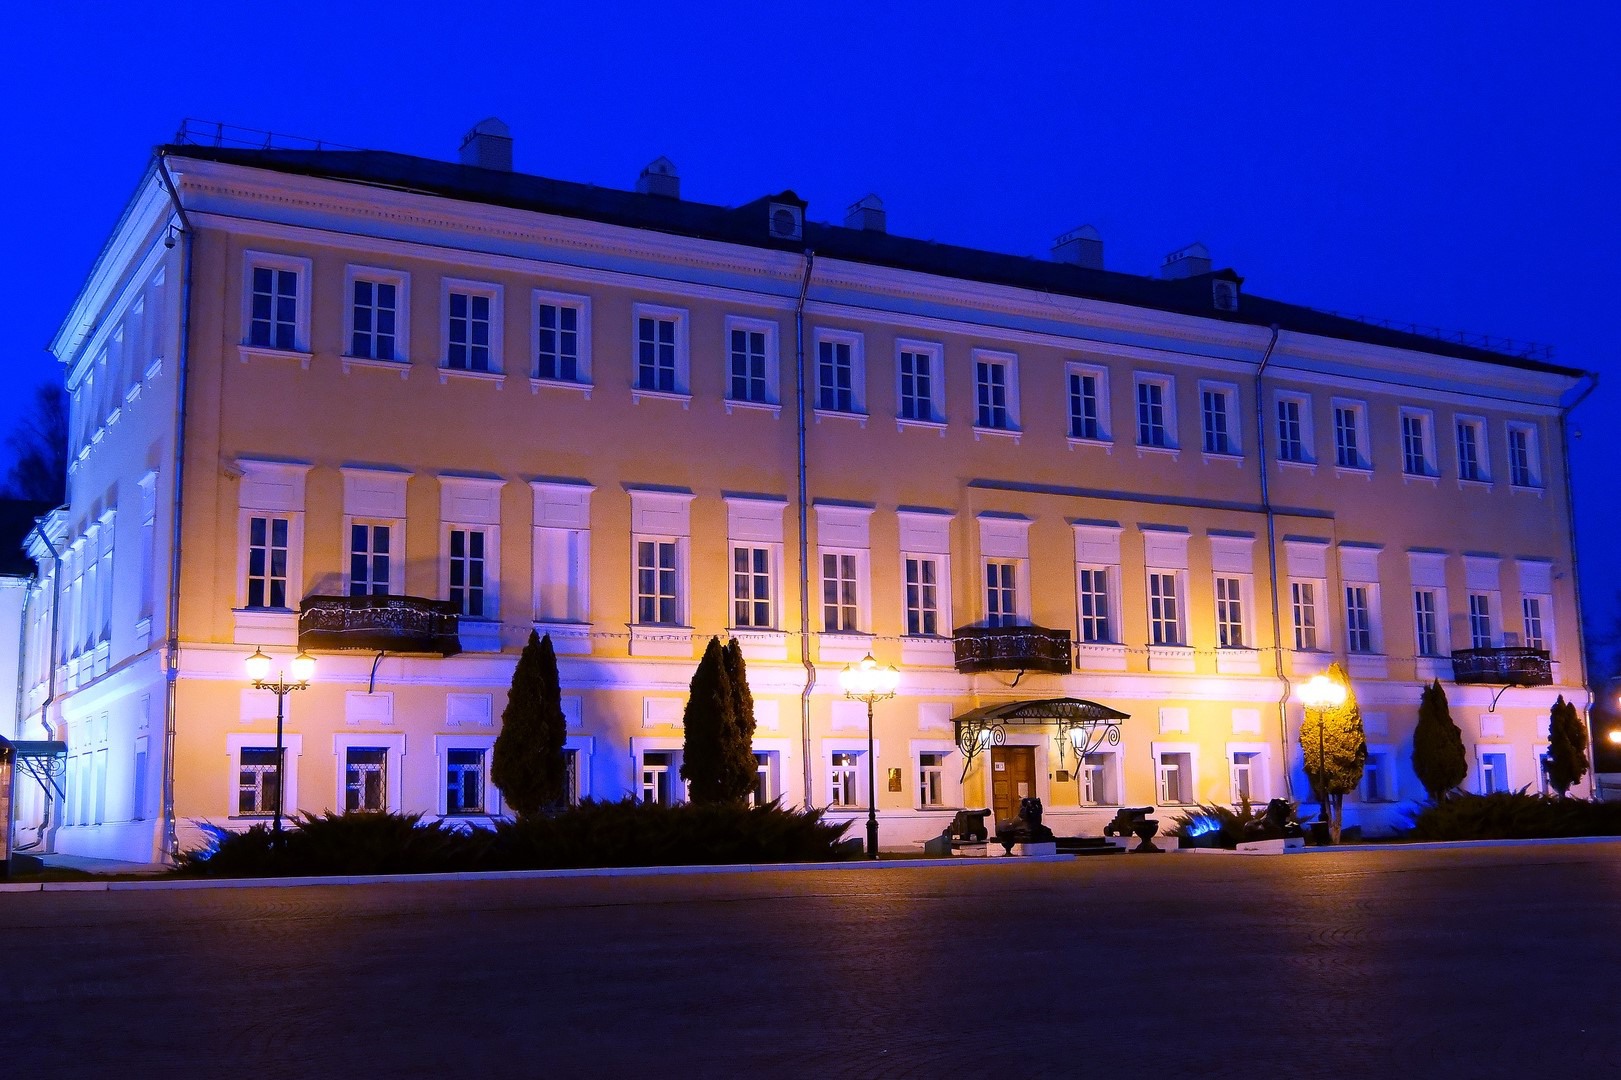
x,y
765,785
1098,780
1426,635
557,342
918,389
256,782
1303,600
1480,621
931,778
839,605
1164,616
1524,465
1376,777
467,571
468,334
1215,407
1349,436
656,769
1291,430
1001,592
369,560
1247,775
751,588
658,599
1153,427
656,354
1094,605
267,561
562,566
1415,444
1531,606
748,365
991,395
1085,405
922,596
835,376
373,315
1358,620
365,777
1175,778
273,311
1471,450
464,782
1493,773
844,780
1229,613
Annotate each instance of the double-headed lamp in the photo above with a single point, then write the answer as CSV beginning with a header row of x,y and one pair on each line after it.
x,y
868,680
1321,692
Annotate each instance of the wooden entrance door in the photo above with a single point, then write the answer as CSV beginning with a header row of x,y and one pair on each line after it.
x,y
1013,777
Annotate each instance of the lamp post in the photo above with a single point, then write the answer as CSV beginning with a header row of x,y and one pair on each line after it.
x,y
868,682
302,669
1322,693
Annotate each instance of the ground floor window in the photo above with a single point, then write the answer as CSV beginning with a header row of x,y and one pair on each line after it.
x,y
767,786
1376,777
931,778
1175,778
1098,787
571,777
365,776
256,782
1247,775
464,782
1493,773
659,769
844,779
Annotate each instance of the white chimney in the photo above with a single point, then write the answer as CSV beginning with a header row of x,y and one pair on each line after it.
x,y
1191,261
488,146
867,214
1080,247
659,178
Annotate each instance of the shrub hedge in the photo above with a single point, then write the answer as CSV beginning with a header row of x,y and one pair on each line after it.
x,y
1513,815
593,834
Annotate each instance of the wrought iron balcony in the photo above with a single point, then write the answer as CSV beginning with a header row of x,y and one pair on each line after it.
x,y
1501,667
410,624
1011,648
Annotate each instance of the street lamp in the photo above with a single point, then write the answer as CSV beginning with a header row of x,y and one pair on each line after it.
x,y
1321,693
302,669
868,682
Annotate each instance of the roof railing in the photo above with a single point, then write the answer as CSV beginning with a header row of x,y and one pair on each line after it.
x,y
194,132
1527,350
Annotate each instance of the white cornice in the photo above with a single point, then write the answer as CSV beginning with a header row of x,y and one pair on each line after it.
x,y
133,245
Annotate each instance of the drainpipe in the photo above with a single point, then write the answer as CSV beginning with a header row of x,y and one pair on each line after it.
x,y
50,678
1272,560
804,532
171,838
1575,572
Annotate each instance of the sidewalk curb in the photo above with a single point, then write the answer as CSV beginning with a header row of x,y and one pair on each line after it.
x,y
176,884
1459,845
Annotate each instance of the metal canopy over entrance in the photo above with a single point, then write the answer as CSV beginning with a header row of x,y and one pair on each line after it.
x,y
1085,725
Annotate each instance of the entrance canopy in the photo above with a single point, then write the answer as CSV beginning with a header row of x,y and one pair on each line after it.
x,y
1085,725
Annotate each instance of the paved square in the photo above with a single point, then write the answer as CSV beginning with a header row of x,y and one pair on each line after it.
x,y
1486,962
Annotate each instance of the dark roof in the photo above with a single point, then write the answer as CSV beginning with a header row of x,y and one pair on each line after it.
x,y
17,517
746,225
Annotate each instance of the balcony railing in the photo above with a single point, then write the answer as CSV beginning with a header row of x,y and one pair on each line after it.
x,y
1011,648
1502,667
410,624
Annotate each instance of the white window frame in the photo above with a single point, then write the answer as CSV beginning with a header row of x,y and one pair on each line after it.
x,y
936,399
1500,783
1484,606
926,537
858,749
375,497
485,744
292,749
491,291
270,517
1385,790
1072,370
1160,751
1016,590
1543,618
402,312
640,748
1179,601
1438,620
863,620
302,269
267,489
1008,364
581,306
1425,419
1243,594
1319,627
1307,448
772,362
1374,630
1111,603
1533,444
1358,411
858,371
562,512
942,594
950,773
491,589
774,571
393,767
1227,393
1167,388
1483,457
683,598
683,352
1260,771
1086,792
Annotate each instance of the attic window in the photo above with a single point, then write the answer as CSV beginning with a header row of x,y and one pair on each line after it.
x,y
785,222
1225,294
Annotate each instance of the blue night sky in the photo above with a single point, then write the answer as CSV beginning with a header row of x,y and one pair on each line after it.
x,y
1444,163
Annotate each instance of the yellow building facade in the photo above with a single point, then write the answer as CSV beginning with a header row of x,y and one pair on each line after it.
x,y
306,382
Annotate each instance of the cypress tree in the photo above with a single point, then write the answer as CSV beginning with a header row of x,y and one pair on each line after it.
x,y
706,723
1438,755
528,764
1567,746
1335,750
740,751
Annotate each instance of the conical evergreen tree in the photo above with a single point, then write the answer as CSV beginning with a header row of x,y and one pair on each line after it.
x,y
528,764
739,753
1438,755
707,724
1567,746
1335,750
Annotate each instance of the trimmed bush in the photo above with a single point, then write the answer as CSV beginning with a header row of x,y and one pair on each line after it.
x,y
1514,815
348,843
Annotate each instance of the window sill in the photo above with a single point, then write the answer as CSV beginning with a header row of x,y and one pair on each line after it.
x,y
1430,478
1106,445
448,373
772,407
995,432
928,651
479,635
1239,661
132,394
759,643
1367,665
351,362
112,417
265,626
849,646
260,352
1353,470
902,423
1236,459
568,638
666,641
839,414
1521,489
1100,655
1479,485
154,369
1308,467
536,385
1177,658
637,394
1172,452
